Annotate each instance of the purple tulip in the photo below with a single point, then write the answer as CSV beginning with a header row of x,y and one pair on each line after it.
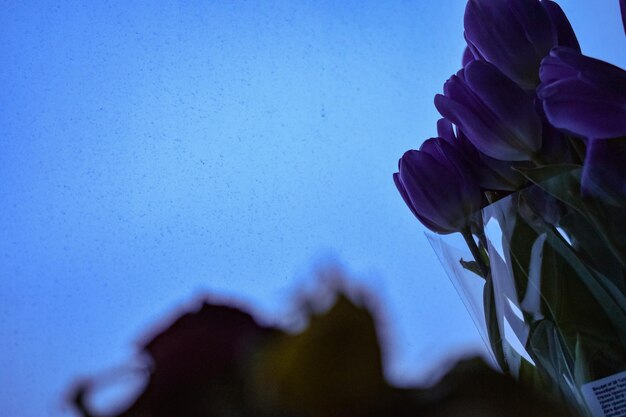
x,y
556,147
514,35
436,190
497,116
468,57
622,6
564,33
582,95
604,171
490,174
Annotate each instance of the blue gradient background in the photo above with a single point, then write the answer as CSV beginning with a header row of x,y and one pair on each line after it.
x,y
152,151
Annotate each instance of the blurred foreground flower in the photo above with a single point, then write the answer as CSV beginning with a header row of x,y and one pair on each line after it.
x,y
197,363
217,361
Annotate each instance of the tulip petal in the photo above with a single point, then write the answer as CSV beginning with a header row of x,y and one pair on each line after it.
x,y
423,176
514,109
468,57
608,77
403,193
495,113
438,196
583,95
445,130
478,128
489,173
564,32
514,35
582,112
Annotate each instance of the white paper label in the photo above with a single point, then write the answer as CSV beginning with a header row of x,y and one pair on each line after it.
x,y
606,397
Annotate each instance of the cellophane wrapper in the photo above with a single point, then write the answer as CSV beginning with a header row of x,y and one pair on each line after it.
x,y
552,305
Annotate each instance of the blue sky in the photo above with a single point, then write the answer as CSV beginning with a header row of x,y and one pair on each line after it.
x,y
152,152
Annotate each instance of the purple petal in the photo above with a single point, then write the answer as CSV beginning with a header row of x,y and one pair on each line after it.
x,y
604,75
494,112
468,56
478,125
490,173
583,95
554,69
514,35
449,154
403,193
422,177
445,130
577,108
515,111
432,148
472,50
440,198
564,32
622,6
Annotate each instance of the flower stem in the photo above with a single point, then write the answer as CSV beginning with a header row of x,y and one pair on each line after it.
x,y
474,249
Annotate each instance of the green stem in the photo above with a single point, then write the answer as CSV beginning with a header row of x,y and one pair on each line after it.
x,y
579,148
489,299
476,253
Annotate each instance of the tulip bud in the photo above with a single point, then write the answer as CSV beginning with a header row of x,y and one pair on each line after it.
x,y
490,174
196,362
583,95
514,35
436,191
497,116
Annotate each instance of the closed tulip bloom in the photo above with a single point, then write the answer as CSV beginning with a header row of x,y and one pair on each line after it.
x,y
490,174
437,194
514,35
497,116
448,154
583,95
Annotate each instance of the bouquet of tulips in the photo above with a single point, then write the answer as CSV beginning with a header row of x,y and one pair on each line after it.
x,y
529,166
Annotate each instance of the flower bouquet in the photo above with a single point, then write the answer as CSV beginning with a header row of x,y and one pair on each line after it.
x,y
529,167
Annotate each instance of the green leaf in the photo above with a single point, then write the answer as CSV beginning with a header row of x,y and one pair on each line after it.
x,y
542,174
471,266
609,221
546,348
493,328
333,366
608,297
